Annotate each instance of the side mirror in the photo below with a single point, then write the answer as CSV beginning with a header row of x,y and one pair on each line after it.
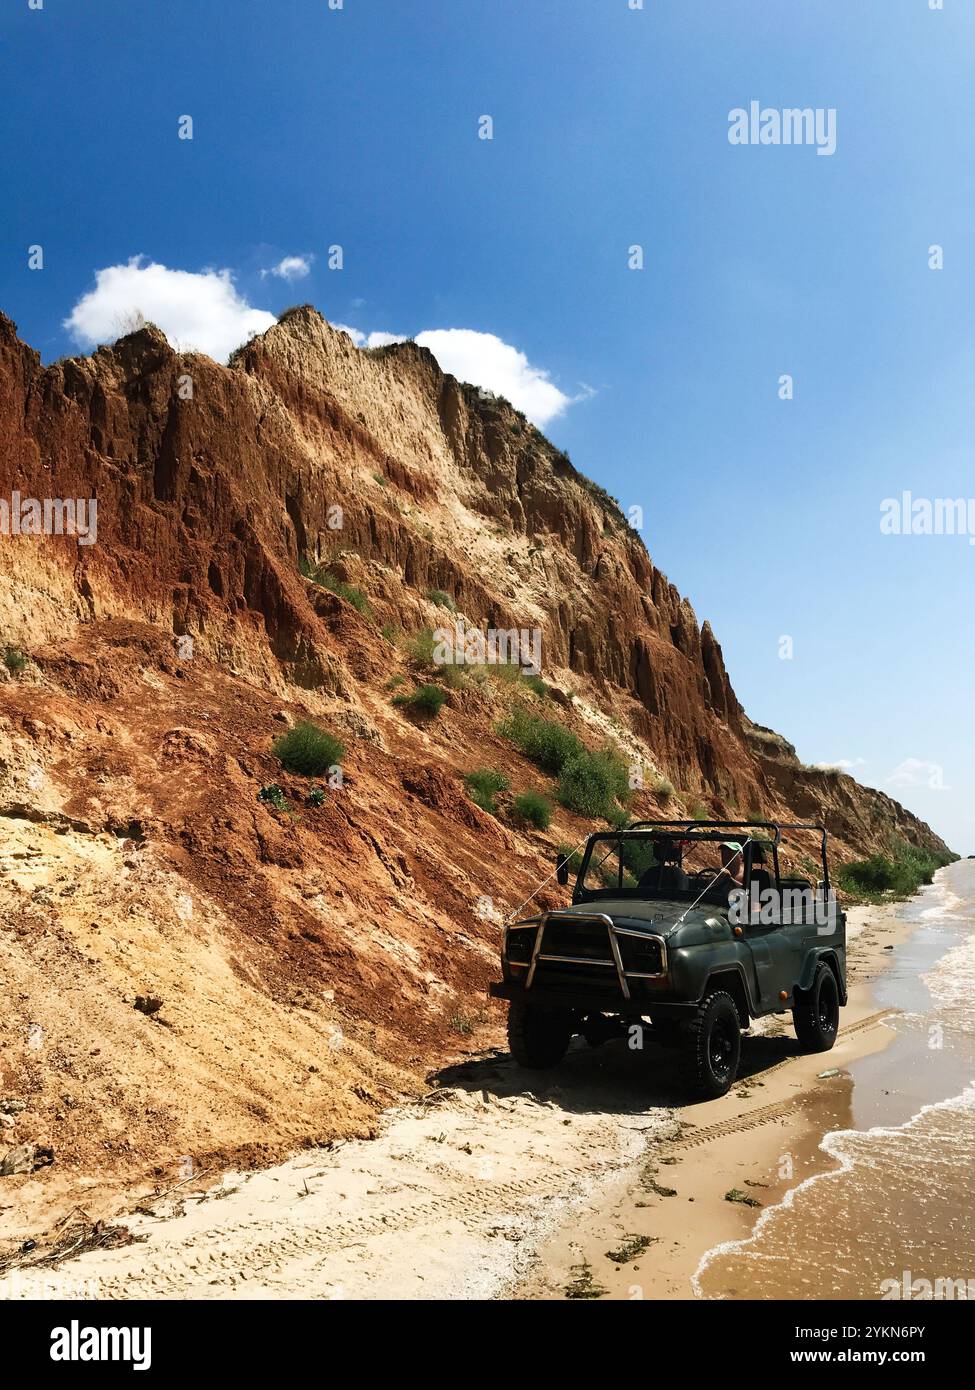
x,y
561,870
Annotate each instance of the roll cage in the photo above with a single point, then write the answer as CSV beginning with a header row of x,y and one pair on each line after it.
x,y
674,837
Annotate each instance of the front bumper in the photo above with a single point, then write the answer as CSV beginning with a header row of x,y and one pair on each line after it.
x,y
586,1001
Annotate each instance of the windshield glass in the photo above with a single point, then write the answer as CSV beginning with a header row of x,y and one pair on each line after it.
x,y
663,865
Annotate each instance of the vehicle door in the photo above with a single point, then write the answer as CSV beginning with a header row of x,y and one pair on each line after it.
x,y
775,943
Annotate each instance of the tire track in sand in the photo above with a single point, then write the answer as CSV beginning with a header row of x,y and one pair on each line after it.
x,y
778,1110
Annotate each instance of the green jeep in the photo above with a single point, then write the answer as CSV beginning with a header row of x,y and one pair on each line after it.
x,y
687,925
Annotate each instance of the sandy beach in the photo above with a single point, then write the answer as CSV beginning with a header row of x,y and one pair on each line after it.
x,y
596,1183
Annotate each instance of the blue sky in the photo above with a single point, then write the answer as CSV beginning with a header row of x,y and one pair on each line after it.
x,y
359,127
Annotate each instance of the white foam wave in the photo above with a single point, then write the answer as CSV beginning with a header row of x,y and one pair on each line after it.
x,y
951,982
833,1144
942,901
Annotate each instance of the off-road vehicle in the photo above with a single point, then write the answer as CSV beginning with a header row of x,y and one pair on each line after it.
x,y
688,927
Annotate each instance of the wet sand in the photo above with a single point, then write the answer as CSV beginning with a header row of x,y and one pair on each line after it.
x,y
843,1182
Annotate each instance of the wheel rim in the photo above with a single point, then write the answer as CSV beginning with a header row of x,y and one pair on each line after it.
x,y
826,1009
721,1047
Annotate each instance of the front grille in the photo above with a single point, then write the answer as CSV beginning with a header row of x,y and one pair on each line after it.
x,y
588,939
583,941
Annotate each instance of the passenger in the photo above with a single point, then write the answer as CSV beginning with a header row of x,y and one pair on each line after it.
x,y
732,861
664,873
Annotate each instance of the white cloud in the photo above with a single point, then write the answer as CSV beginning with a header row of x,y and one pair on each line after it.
x,y
198,310
486,361
842,764
916,772
369,340
384,339
291,268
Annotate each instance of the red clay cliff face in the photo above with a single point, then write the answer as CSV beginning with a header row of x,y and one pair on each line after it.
x,y
142,861
206,504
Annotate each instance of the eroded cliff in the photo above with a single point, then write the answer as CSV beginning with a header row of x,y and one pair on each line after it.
x,y
312,963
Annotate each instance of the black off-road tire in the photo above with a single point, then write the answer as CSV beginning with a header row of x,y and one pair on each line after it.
x,y
711,1048
816,1015
538,1038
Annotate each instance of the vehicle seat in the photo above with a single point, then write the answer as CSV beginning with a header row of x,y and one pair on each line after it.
x,y
761,878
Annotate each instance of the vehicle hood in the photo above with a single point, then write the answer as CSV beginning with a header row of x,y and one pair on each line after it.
x,y
659,917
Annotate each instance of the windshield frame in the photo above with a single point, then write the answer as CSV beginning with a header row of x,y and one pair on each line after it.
x,y
767,834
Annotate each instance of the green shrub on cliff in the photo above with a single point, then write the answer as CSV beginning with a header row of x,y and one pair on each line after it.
x,y
545,741
14,660
325,579
426,699
591,784
534,809
420,648
349,592
442,600
308,750
662,787
273,795
483,786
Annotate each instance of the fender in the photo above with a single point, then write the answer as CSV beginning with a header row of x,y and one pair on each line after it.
x,y
733,968
828,957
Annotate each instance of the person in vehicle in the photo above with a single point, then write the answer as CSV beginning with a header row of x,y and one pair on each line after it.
x,y
732,862
666,875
